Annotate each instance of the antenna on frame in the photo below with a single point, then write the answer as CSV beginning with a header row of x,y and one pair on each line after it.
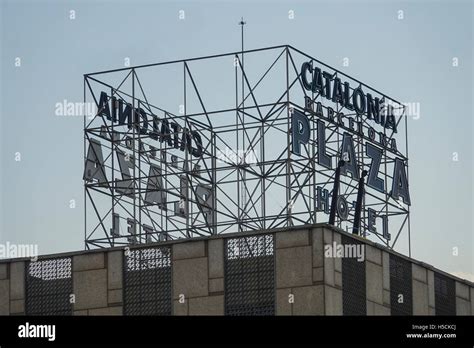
x,y
242,23
243,194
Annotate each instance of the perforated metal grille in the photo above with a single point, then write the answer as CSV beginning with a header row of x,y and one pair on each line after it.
x,y
147,278
445,296
401,294
250,276
49,287
353,281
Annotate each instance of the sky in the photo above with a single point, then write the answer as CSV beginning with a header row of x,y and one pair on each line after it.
x,y
417,52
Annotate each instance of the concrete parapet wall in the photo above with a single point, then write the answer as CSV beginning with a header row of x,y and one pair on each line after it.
x,y
307,282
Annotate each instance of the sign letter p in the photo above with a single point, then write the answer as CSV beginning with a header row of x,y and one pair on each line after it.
x,y
300,131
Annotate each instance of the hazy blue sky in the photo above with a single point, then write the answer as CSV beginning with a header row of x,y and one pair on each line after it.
x,y
409,58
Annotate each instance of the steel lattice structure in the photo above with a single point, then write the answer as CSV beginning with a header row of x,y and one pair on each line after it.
x,y
147,179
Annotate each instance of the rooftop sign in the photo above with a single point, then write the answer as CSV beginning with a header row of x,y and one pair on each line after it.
x,y
175,151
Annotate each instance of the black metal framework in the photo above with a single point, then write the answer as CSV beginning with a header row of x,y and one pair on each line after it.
x,y
353,282
401,292
445,295
249,275
253,179
148,281
49,287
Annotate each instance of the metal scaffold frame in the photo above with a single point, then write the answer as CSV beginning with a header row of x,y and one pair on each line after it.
x,y
246,177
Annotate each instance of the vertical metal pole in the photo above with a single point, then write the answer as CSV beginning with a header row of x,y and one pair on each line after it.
x,y
243,150
386,180
313,154
263,172
134,157
335,193
237,143
360,160
139,175
185,122
408,180
358,208
164,170
113,165
214,182
288,153
86,247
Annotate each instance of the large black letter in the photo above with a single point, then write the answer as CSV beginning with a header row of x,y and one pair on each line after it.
x,y
103,108
300,131
306,67
197,151
350,164
323,158
154,188
373,180
126,185
94,166
400,182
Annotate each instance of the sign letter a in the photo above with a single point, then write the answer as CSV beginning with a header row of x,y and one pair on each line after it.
x,y
400,182
349,166
154,190
94,166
